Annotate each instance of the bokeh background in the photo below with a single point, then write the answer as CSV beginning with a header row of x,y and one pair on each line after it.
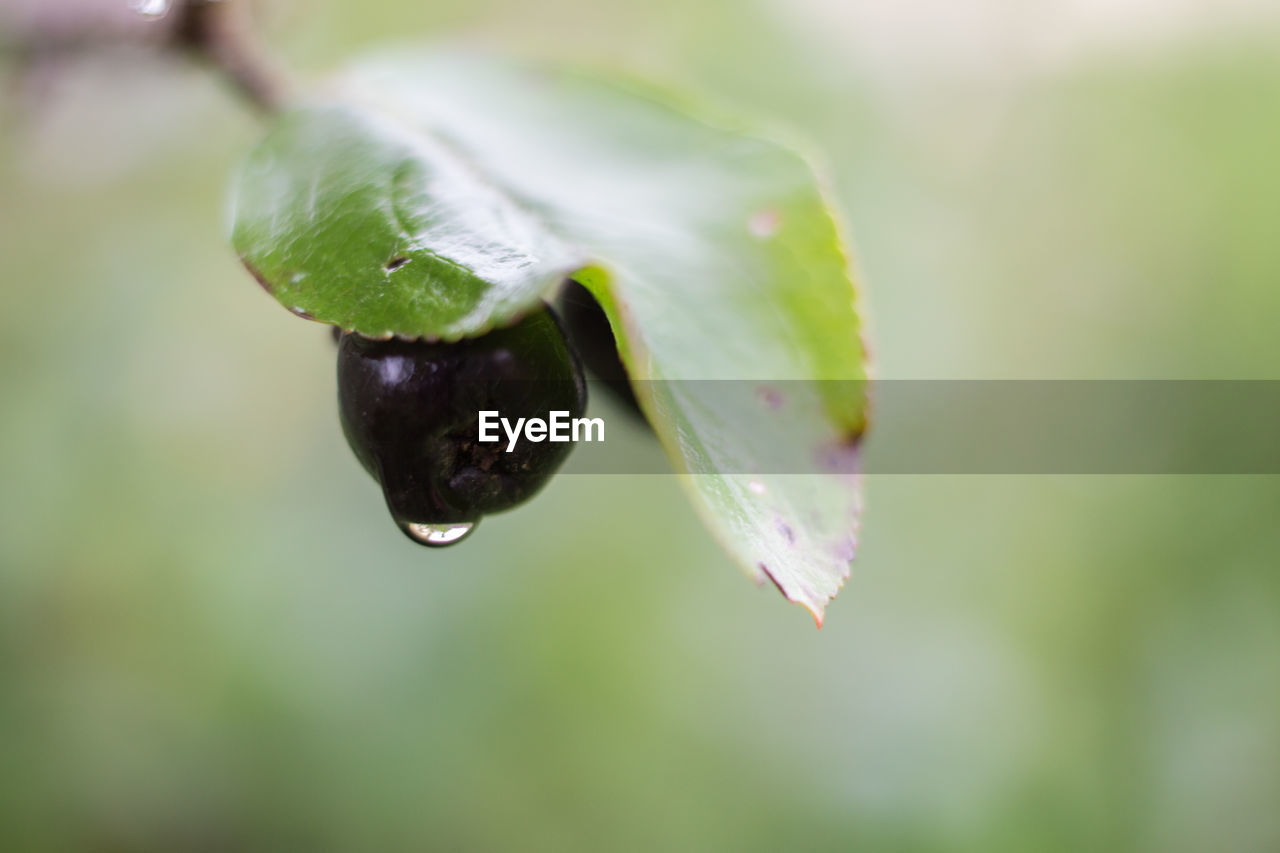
x,y
212,637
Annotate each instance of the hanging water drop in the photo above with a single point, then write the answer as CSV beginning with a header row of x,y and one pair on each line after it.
x,y
438,535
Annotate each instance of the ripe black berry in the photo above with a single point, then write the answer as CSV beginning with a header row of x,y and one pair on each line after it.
x,y
410,411
588,328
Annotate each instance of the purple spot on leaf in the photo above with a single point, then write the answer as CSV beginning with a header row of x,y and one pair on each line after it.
x,y
846,549
839,457
771,398
770,576
784,530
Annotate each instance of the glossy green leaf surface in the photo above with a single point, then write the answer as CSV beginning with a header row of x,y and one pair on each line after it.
x,y
449,192
349,218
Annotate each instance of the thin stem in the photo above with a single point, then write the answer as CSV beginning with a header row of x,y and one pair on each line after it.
x,y
218,32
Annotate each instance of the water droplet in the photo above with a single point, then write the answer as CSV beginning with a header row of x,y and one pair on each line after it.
x,y
150,8
438,535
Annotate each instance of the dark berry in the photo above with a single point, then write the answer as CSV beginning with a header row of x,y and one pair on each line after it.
x,y
410,411
592,337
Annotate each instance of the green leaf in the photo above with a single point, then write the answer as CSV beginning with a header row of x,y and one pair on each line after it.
x,y
353,219
714,252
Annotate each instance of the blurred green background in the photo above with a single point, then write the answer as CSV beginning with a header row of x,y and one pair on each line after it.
x,y
212,637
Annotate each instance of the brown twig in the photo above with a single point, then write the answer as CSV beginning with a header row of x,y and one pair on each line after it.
x,y
219,32
216,32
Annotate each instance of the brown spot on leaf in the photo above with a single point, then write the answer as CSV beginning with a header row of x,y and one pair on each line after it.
x,y
853,436
257,276
396,263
